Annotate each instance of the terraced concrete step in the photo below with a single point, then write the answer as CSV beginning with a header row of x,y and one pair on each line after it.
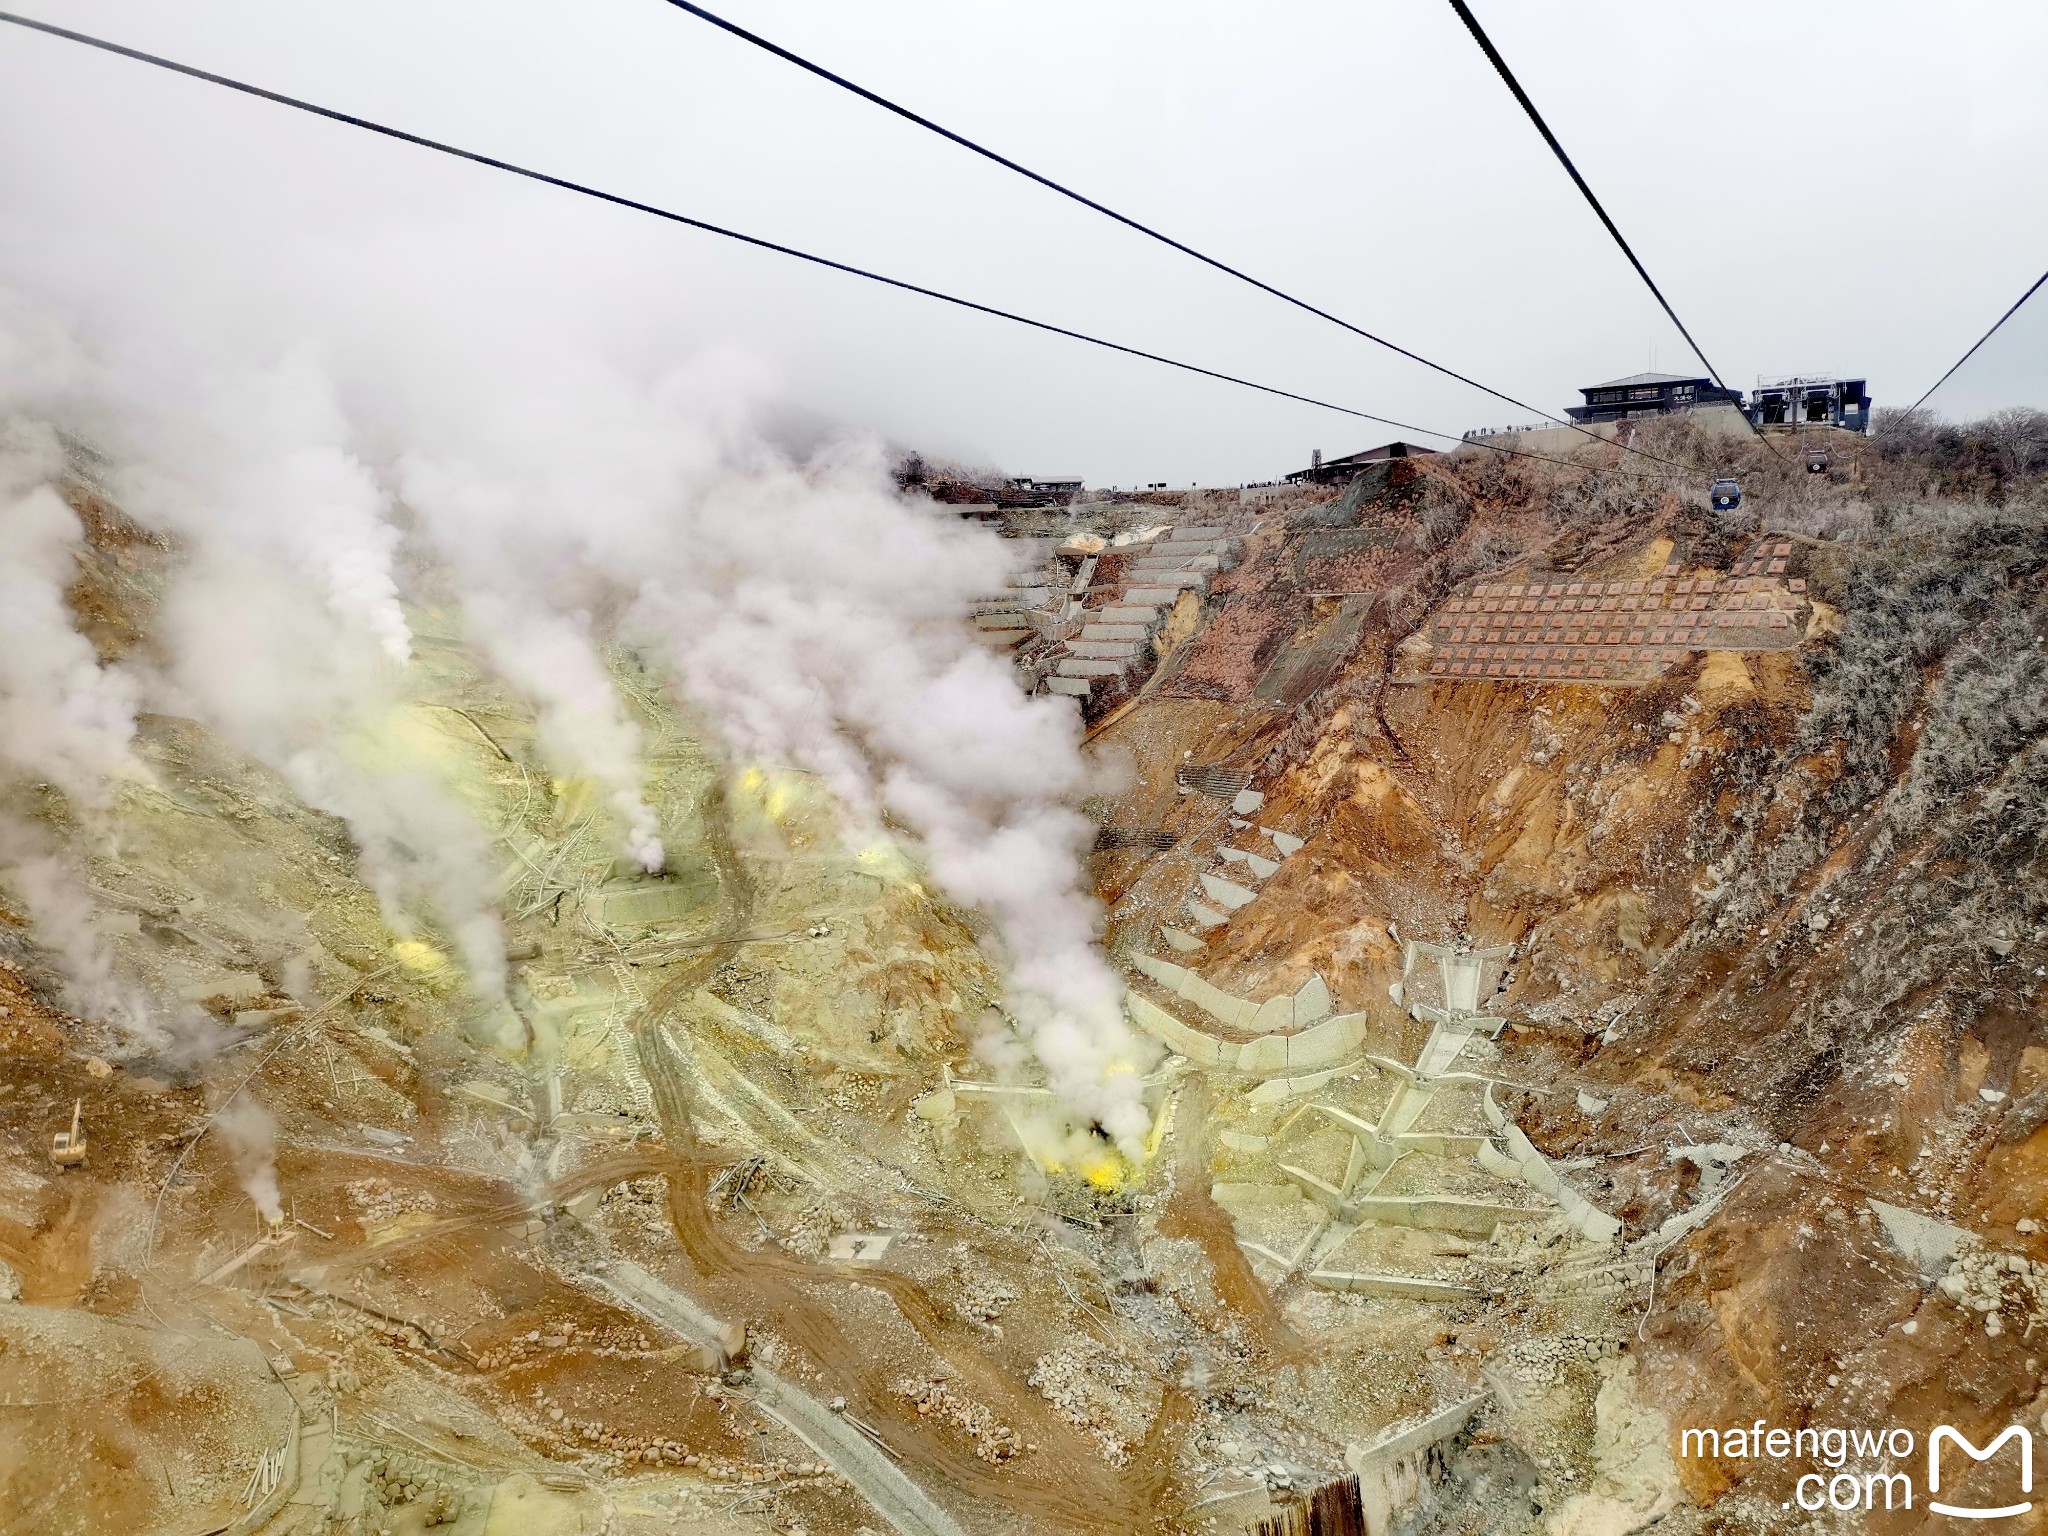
x,y
1116,631
1017,602
1002,618
1261,868
1071,687
1404,1287
1151,563
1002,639
1081,667
1170,580
1105,650
1156,596
1128,613
1225,893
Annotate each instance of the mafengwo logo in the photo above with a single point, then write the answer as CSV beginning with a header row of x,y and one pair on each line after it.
x,y
1944,1435
1842,1489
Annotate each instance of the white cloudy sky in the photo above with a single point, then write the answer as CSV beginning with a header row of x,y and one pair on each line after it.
x,y
1842,184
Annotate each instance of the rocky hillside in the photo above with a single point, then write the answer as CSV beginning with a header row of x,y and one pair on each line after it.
x,y
1788,900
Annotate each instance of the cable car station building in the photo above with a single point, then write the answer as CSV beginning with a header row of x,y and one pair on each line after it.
x,y
1789,405
1321,470
1649,394
1806,402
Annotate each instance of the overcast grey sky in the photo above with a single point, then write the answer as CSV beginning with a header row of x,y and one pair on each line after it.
x,y
1827,186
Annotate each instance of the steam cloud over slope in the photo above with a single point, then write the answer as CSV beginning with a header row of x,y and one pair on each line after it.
x,y
61,717
815,615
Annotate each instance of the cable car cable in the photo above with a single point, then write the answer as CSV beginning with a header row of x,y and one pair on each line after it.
x,y
1507,75
474,157
908,115
2043,278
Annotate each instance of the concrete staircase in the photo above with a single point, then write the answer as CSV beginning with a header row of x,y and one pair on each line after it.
x,y
1038,603
1114,646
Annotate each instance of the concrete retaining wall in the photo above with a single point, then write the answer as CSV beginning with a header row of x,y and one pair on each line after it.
x,y
1080,668
1105,650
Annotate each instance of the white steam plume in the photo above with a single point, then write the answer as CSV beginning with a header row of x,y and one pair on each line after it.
x,y
286,631
825,627
519,602
812,610
551,657
61,913
63,717
257,657
283,622
303,492
251,1133
819,617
